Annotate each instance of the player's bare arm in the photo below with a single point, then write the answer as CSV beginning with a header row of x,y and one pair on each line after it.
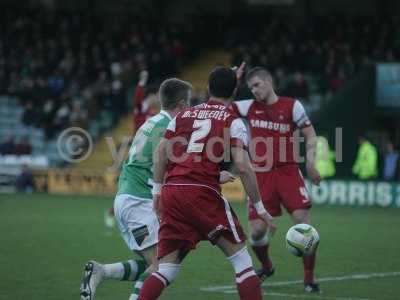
x,y
311,143
239,70
246,173
160,165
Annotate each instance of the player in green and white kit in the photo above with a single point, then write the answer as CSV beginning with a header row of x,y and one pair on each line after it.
x,y
133,204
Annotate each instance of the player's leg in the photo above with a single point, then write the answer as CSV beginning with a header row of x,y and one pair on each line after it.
x,y
300,216
139,228
258,229
260,245
95,273
150,256
175,241
141,236
124,271
295,199
166,273
247,282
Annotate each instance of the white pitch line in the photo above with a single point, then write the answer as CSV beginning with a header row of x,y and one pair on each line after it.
x,y
363,276
296,296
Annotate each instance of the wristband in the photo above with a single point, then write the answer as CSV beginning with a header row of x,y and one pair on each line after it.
x,y
156,190
259,207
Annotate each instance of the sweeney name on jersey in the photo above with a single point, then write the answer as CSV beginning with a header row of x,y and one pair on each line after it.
x,y
197,159
205,113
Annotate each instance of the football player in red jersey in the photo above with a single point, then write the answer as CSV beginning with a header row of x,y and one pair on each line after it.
x,y
272,121
189,203
142,106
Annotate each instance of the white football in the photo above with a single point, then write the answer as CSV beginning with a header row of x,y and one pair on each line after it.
x,y
302,239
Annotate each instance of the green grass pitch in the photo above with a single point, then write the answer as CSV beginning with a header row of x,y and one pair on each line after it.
x,y
45,241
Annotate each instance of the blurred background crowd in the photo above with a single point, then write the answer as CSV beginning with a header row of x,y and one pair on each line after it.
x,y
314,57
66,69
62,68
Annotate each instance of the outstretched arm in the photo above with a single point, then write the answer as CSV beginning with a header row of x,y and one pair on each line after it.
x,y
311,144
246,173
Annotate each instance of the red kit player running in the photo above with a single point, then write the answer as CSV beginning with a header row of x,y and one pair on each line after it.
x,y
190,206
272,121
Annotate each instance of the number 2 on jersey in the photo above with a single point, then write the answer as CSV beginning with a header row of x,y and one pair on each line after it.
x,y
203,129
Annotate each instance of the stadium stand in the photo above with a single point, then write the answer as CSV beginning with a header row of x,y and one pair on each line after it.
x,y
313,58
78,70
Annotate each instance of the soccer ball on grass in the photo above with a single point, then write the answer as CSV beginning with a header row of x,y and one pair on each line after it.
x,y
302,239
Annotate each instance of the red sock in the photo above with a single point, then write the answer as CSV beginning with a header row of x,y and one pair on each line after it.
x,y
262,255
152,287
309,265
248,285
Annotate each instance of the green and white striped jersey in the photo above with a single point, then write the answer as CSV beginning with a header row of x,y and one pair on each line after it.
x,y
137,172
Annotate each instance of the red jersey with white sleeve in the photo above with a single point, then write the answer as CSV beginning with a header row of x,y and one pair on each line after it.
x,y
272,128
272,152
201,137
193,208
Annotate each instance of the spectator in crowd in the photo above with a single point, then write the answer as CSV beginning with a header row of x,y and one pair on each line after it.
x,y
330,51
62,116
324,158
390,163
78,115
366,164
50,63
7,146
298,88
24,181
29,116
337,80
23,147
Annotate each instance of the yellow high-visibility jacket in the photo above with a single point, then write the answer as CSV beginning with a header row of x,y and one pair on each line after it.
x,y
366,164
324,158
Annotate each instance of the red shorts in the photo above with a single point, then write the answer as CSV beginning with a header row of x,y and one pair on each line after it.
x,y
283,186
192,213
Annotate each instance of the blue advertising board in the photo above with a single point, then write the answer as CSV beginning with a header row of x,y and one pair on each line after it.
x,y
388,85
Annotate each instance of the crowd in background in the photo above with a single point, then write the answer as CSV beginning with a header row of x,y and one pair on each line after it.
x,y
67,68
9,146
317,54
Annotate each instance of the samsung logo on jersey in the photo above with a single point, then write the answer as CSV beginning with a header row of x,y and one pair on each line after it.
x,y
283,128
206,114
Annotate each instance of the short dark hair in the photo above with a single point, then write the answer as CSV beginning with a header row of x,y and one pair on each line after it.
x,y
260,72
222,82
172,91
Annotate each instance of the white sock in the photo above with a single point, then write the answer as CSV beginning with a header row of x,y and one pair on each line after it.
x,y
121,271
115,271
241,260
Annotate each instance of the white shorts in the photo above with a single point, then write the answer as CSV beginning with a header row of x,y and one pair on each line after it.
x,y
137,221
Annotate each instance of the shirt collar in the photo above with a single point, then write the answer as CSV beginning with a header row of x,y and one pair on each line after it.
x,y
165,113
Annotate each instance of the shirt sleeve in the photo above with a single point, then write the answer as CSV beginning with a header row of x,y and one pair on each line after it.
x,y
171,128
239,134
300,117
